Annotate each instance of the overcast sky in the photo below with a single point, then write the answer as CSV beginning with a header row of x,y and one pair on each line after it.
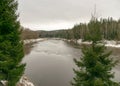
x,y
63,14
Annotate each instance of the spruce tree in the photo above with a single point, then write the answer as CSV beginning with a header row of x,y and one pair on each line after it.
x,y
76,33
94,68
11,47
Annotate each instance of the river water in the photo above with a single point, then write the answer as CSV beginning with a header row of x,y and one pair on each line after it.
x,y
50,63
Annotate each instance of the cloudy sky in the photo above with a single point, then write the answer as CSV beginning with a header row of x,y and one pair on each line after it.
x,y
63,14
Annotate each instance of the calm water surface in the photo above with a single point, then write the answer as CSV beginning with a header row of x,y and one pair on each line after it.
x,y
50,63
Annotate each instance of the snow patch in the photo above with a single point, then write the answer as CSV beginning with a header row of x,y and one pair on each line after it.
x,y
33,40
112,43
24,81
107,43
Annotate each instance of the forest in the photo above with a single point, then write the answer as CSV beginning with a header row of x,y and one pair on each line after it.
x,y
109,28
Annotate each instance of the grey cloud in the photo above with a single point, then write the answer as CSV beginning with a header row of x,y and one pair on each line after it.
x,y
43,11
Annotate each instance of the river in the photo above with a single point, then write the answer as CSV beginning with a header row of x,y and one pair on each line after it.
x,y
50,63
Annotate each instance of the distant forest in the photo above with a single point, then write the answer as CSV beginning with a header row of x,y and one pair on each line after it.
x,y
110,30
26,33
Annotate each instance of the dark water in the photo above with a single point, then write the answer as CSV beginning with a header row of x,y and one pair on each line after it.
x,y
50,63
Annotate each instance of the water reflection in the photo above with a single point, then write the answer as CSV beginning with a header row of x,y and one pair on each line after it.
x,y
27,48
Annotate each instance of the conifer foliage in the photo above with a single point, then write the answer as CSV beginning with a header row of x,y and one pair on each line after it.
x,y
11,47
94,68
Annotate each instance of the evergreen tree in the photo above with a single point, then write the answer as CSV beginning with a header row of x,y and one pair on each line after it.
x,y
94,68
11,47
76,32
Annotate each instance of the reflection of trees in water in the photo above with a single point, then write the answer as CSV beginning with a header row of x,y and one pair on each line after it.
x,y
115,51
27,48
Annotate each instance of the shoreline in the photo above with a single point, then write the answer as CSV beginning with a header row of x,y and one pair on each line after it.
x,y
111,43
30,41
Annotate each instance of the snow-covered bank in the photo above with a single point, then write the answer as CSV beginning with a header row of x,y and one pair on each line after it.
x,y
33,40
107,43
24,81
112,43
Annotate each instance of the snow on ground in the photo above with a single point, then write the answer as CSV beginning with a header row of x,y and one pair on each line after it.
x,y
112,43
33,40
107,43
24,81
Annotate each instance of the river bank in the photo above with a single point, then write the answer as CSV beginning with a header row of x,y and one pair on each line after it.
x,y
108,43
28,44
31,41
24,81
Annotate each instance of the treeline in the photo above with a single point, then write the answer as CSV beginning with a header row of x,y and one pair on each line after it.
x,y
28,34
52,34
109,28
